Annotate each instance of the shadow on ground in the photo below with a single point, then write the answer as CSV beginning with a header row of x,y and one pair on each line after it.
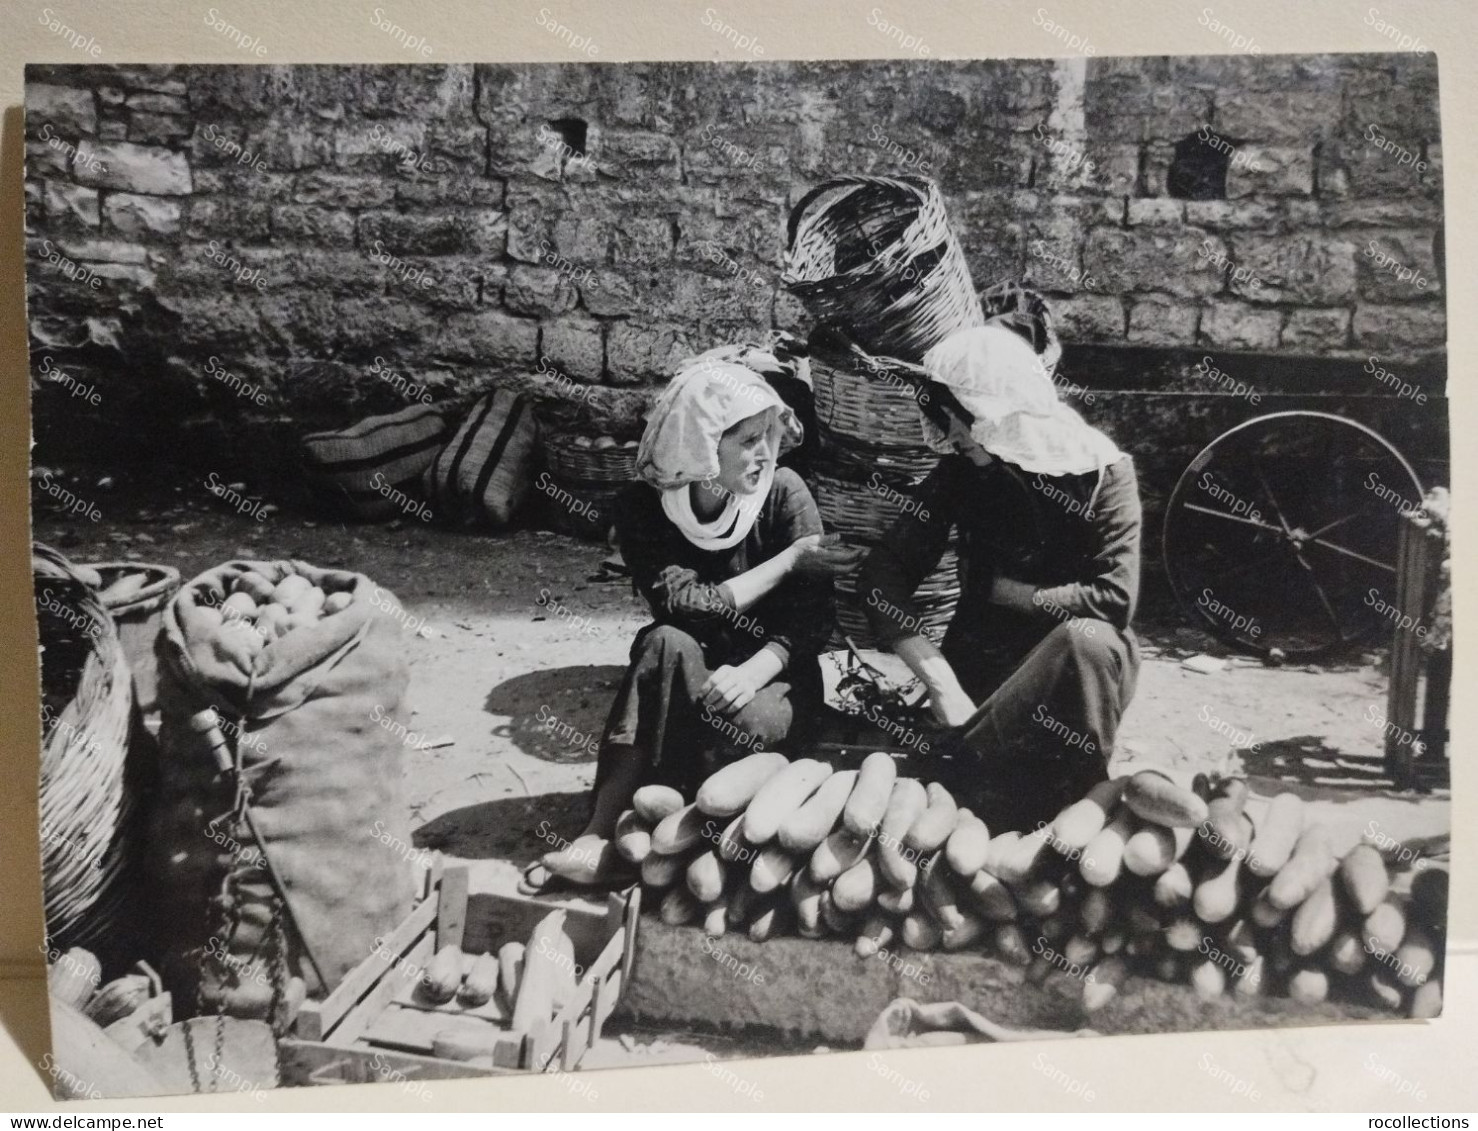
x,y
558,714
516,829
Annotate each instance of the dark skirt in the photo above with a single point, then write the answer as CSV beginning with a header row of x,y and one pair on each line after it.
x,y
657,713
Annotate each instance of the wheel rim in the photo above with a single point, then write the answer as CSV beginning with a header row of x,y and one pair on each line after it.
x,y
1282,532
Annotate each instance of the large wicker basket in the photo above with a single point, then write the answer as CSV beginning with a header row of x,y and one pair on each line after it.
x,y
88,823
587,481
935,602
875,255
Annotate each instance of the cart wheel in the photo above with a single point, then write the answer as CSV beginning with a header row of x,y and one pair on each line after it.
x,y
1282,532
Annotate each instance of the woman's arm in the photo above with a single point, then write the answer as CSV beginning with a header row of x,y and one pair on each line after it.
x,y
1112,591
907,553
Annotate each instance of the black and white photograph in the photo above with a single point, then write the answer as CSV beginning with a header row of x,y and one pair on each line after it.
x,y
551,567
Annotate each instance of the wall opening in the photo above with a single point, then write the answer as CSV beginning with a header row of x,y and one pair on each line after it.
x,y
1198,171
571,132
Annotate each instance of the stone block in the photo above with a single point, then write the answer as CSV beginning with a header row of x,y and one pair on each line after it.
x,y
539,291
451,188
574,345
1406,328
642,241
1154,259
1398,266
1093,318
1154,210
1277,116
342,190
609,295
43,159
1230,324
1160,320
228,217
486,337
1268,170
1312,269
442,233
310,224
71,207
1316,328
158,129
646,353
132,215
148,169
66,110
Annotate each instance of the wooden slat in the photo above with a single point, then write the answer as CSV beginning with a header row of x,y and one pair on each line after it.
x,y
363,1013
414,1030
316,1020
451,908
313,1062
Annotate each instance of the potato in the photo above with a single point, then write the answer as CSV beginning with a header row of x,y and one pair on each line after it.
x,y
272,621
255,586
337,602
290,588
308,604
239,606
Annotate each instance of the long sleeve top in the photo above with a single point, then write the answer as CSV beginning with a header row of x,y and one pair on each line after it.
x,y
1074,538
685,586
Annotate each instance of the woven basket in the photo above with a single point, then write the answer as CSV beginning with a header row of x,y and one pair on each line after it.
x,y
87,809
876,256
574,464
860,511
137,618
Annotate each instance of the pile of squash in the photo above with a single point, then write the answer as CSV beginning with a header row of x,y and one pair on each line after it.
x,y
1144,875
76,979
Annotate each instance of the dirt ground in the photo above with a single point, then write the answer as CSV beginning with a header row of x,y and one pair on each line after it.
x,y
525,638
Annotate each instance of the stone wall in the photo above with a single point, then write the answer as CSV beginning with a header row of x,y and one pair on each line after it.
x,y
225,255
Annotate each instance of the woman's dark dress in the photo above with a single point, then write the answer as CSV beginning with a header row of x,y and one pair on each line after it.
x,y
697,629
1052,684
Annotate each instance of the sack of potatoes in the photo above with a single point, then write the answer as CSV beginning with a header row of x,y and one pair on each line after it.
x,y
246,611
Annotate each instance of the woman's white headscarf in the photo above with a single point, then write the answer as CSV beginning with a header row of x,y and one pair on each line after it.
x,y
998,378
680,445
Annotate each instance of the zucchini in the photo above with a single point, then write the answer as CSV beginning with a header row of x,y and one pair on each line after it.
x,y
780,796
863,812
731,789
808,826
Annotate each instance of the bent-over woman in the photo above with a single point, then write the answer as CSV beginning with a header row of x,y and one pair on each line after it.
x,y
1039,661
727,550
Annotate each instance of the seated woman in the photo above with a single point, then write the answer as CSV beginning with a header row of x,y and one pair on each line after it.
x,y
727,550
1039,662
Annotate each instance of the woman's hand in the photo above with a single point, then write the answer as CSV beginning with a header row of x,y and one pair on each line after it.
x,y
1012,594
824,555
950,705
729,689
947,699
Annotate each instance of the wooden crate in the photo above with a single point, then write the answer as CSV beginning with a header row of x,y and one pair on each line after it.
x,y
373,1028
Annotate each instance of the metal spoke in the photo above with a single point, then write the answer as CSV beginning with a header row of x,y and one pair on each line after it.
x,y
1257,522
1328,526
1232,570
1339,628
1268,491
1352,554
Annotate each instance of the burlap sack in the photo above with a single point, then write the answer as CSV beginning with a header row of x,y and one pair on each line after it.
x,y
317,719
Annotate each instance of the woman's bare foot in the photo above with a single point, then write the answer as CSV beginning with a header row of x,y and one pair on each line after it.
x,y
589,861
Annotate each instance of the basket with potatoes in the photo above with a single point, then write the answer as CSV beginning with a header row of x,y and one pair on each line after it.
x,y
1187,880
305,671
